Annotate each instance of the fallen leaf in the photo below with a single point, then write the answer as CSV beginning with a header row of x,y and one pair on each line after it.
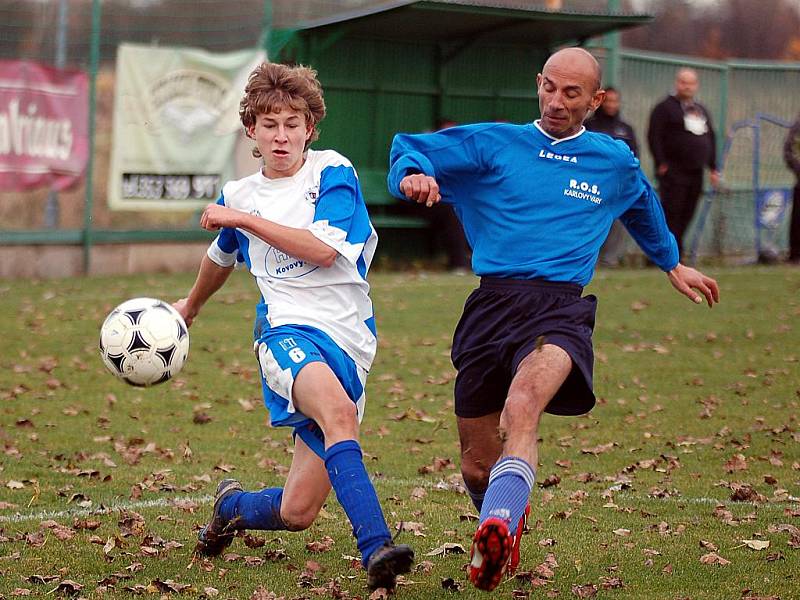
x,y
68,588
622,532
416,528
447,548
598,449
418,493
451,585
551,480
712,558
585,591
323,545
756,544
708,545
737,462
169,586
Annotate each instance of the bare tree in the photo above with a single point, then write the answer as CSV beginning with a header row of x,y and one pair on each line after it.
x,y
767,29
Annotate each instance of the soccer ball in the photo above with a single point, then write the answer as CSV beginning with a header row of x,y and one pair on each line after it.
x,y
144,341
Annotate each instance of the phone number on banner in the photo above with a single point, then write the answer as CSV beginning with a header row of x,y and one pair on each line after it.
x,y
141,186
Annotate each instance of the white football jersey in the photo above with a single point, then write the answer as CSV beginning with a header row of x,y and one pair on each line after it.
x,y
325,198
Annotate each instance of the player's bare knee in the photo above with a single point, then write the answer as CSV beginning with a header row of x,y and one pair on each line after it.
x,y
298,518
520,412
342,417
475,474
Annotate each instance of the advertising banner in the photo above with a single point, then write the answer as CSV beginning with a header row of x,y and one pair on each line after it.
x,y
43,126
176,124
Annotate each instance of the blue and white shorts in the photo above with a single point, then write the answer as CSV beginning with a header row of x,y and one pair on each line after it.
x,y
282,352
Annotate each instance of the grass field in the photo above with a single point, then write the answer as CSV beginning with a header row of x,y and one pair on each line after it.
x,y
682,483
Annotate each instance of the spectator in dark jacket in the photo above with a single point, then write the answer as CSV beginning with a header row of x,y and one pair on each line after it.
x,y
606,119
791,153
682,142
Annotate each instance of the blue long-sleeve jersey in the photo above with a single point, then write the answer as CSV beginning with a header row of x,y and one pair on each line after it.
x,y
534,206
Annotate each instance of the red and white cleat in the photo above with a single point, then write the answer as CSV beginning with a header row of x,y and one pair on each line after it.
x,y
491,549
513,562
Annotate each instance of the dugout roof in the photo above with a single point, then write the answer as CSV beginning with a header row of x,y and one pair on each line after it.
x,y
490,21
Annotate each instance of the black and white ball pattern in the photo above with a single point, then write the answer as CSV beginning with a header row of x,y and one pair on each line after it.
x,y
144,341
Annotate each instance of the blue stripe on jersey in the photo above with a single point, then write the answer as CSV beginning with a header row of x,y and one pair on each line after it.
x,y
370,323
227,237
340,203
226,240
244,248
261,325
361,265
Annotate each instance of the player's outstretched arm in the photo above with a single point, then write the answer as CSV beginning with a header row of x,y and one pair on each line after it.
x,y
300,243
421,188
210,278
686,280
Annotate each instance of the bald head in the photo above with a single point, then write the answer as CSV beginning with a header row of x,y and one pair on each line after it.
x,y
577,61
568,89
686,84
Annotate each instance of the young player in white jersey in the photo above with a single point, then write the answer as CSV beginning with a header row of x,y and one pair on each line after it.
x,y
301,227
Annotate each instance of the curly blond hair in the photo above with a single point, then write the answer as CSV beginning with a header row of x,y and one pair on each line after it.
x,y
272,87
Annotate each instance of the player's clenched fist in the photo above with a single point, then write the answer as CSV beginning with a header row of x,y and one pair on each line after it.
x,y
215,216
421,188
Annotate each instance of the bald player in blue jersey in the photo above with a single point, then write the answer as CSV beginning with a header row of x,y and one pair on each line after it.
x,y
536,201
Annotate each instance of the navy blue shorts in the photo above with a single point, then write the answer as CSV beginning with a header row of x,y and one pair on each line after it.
x,y
503,321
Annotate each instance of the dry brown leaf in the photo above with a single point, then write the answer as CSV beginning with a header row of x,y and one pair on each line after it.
x,y
550,481
708,545
323,545
756,544
415,527
438,464
169,586
588,590
622,532
68,588
737,462
598,449
712,558
21,592
446,548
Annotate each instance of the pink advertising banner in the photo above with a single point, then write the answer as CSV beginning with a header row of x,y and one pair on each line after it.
x,y
43,126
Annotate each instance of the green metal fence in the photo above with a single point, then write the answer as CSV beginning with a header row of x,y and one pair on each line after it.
x,y
733,90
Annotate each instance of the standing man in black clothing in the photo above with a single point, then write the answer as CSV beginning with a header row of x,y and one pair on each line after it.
x,y
606,119
791,153
682,142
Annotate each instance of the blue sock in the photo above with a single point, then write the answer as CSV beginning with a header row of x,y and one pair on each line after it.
x,y
510,484
254,510
355,493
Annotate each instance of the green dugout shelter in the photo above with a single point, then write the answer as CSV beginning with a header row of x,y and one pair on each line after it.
x,y
410,65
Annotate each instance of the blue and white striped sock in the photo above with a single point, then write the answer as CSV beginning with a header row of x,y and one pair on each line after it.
x,y
510,483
